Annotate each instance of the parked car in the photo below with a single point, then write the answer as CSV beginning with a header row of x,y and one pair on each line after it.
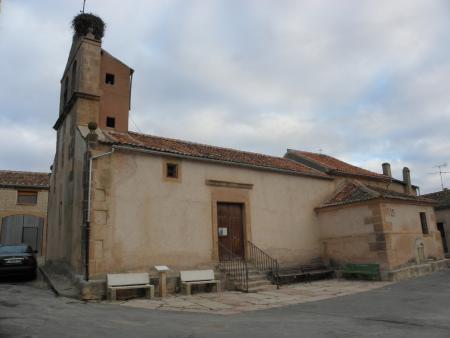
x,y
17,260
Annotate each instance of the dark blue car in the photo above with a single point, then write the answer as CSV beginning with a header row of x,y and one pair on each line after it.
x,y
17,260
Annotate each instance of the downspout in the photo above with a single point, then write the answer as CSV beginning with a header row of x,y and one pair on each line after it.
x,y
88,217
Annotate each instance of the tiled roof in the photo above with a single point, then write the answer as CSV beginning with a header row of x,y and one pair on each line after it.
x,y
333,165
206,152
442,198
24,179
355,191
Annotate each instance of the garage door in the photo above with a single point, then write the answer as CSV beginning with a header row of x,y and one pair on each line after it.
x,y
22,229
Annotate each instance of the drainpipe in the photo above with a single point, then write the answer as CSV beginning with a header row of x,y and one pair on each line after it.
x,y
88,217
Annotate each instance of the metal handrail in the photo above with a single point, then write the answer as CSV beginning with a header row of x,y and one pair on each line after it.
x,y
263,262
234,266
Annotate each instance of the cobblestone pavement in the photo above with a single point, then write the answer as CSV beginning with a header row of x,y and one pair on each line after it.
x,y
233,302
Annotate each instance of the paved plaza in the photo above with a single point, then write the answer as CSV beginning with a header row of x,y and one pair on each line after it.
x,y
415,308
233,302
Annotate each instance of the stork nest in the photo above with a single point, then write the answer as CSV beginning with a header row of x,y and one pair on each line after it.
x,y
85,23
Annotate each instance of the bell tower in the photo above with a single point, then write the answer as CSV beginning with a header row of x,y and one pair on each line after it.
x,y
95,86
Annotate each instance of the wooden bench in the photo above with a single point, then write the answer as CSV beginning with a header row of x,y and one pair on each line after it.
x,y
369,271
197,277
122,281
304,273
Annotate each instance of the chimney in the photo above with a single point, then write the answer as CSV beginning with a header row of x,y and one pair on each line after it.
x,y
387,169
407,180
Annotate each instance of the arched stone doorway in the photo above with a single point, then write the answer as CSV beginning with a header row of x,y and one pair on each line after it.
x,y
22,229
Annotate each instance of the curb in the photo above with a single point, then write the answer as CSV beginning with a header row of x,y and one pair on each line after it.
x,y
54,286
49,282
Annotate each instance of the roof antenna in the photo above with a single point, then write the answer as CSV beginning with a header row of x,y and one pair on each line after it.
x,y
320,151
84,4
440,172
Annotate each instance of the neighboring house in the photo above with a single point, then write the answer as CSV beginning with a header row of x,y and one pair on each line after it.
x,y
23,208
124,201
442,211
373,217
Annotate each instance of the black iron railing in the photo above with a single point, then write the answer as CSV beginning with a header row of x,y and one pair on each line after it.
x,y
263,262
235,267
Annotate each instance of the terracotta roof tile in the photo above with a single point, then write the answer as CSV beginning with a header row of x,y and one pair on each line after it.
x,y
442,198
24,179
207,152
333,165
355,191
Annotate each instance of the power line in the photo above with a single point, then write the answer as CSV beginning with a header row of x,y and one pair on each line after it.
x,y
135,124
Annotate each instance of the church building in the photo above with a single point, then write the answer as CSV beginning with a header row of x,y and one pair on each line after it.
x,y
121,201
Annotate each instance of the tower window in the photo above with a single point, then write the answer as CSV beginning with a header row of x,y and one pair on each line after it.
x,y
110,122
109,79
66,84
74,74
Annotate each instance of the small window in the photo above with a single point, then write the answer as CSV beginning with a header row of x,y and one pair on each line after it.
x,y
110,122
74,76
172,170
27,197
423,221
109,79
66,84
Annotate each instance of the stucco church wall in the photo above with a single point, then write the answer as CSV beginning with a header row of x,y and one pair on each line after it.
x,y
140,219
403,229
348,234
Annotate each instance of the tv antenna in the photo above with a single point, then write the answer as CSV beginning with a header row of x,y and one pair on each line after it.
x,y
440,172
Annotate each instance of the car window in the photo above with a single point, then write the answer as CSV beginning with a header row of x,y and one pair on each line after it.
x,y
14,249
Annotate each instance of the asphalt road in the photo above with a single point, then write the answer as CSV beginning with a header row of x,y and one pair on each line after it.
x,y
416,308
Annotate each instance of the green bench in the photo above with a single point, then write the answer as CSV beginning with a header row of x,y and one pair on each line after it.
x,y
367,271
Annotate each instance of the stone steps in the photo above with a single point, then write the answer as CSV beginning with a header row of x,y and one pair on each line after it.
x,y
257,280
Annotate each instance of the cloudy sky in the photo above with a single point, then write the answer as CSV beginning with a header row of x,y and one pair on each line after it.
x,y
365,81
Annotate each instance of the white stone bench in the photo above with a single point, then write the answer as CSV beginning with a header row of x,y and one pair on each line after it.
x,y
196,277
122,281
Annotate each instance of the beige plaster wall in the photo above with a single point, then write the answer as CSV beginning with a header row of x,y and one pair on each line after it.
x,y
140,219
349,234
8,203
403,227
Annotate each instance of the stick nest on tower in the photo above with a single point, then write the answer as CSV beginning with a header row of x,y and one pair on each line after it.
x,y
85,23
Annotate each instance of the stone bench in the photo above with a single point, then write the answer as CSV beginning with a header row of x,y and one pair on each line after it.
x,y
123,281
197,277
